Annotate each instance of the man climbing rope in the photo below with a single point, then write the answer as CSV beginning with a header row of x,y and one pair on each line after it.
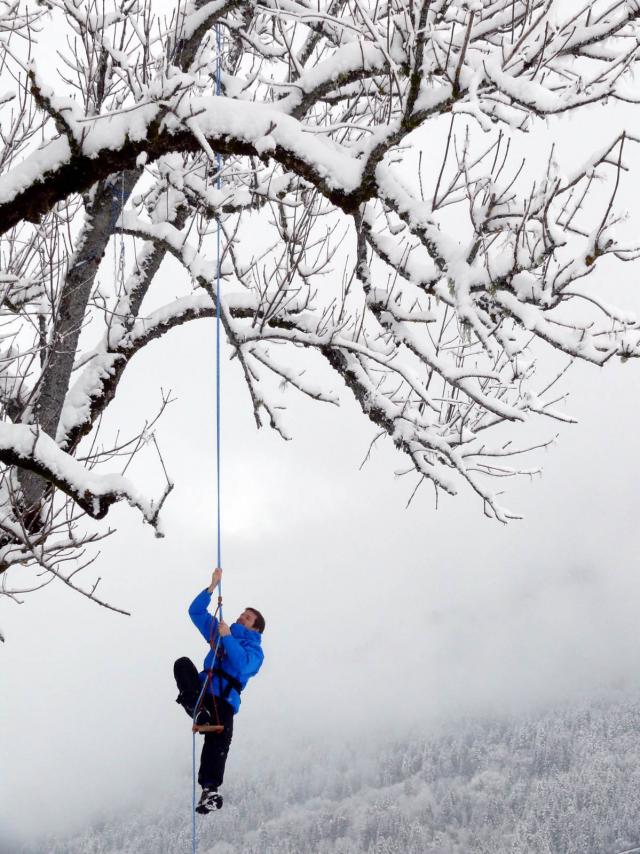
x,y
235,655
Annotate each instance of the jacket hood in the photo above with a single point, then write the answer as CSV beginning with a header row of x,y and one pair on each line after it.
x,y
247,635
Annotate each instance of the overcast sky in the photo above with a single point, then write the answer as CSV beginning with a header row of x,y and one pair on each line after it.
x,y
376,614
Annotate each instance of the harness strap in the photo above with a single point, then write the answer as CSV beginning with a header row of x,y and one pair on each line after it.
x,y
232,682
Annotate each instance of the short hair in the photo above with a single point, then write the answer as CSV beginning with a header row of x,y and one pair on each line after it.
x,y
258,623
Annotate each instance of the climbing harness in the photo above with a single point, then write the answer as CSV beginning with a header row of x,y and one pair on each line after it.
x,y
217,651
232,683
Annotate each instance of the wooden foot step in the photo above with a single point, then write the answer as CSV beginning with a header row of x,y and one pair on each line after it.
x,y
207,728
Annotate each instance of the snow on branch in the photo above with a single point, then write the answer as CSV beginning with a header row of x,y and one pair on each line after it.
x,y
385,229
26,446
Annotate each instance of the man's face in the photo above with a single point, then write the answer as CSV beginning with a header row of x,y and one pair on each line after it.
x,y
247,619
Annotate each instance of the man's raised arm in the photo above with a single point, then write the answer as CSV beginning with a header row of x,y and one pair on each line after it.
x,y
200,616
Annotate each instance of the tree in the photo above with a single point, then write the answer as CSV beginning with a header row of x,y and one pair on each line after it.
x,y
375,218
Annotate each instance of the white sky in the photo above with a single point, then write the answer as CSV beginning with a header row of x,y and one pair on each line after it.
x,y
375,614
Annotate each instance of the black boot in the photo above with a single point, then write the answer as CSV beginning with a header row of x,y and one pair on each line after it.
x,y
189,703
209,800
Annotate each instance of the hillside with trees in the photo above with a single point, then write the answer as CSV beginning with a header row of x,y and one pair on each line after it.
x,y
564,781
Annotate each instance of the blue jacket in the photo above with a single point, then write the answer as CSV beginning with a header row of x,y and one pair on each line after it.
x,y
243,654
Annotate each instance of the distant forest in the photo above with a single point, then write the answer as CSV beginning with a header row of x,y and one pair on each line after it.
x,y
563,782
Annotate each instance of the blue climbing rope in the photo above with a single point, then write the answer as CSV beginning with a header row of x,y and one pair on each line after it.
x,y
193,763
205,683
218,502
218,185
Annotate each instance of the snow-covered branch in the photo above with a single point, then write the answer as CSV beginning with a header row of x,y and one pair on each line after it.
x,y
382,227
28,447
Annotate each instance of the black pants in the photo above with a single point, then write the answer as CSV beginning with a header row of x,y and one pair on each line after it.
x,y
216,744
